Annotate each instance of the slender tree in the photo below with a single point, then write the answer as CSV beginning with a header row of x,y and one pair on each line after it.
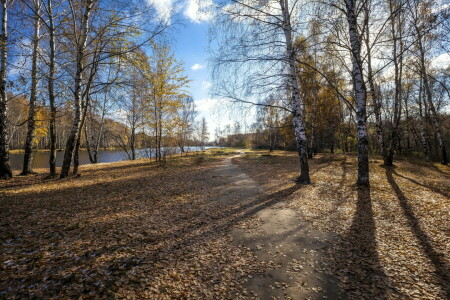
x,y
28,155
422,24
51,87
262,59
203,133
360,90
297,110
5,168
80,40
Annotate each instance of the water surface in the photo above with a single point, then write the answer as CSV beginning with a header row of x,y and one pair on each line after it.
x,y
41,158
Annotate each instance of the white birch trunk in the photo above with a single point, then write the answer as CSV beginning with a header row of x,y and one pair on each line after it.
x,y
5,168
299,126
360,94
51,91
73,135
28,155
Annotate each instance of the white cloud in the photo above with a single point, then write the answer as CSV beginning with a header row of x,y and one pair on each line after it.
x,y
164,8
206,105
241,11
441,61
197,67
199,10
206,85
195,10
207,108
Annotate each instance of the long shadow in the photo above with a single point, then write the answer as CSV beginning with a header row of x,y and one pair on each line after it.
x,y
17,181
361,263
223,220
175,239
18,184
442,271
432,188
434,168
344,171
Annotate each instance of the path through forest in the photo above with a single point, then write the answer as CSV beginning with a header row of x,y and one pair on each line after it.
x,y
280,238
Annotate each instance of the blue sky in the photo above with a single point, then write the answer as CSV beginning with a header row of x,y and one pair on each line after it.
x,y
190,46
190,43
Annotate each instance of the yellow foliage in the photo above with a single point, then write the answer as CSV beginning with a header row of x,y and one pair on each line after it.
x,y
41,124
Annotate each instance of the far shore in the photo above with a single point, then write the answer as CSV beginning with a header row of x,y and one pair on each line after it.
x,y
20,151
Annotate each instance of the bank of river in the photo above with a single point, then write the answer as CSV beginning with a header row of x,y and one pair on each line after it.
x,y
41,158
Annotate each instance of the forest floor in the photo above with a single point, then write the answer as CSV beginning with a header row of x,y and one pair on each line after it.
x,y
221,226
392,242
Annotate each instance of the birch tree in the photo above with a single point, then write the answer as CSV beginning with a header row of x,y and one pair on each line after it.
x,y
185,123
28,155
265,53
359,87
5,168
80,36
203,133
167,90
51,86
422,22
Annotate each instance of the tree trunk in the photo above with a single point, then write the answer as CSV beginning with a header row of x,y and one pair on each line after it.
x,y
398,63
133,142
312,137
423,138
5,168
73,135
28,155
429,98
87,97
76,161
76,153
51,92
375,95
94,157
360,93
299,126
160,138
88,143
419,31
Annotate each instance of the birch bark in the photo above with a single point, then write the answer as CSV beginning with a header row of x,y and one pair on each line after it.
x,y
5,168
28,155
396,31
51,91
75,131
298,120
360,93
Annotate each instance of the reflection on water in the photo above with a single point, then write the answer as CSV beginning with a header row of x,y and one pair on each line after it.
x,y
40,159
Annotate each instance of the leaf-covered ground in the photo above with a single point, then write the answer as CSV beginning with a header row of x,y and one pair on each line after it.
x,y
141,231
392,241
122,230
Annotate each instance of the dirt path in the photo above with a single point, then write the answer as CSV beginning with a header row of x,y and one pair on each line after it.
x,y
292,247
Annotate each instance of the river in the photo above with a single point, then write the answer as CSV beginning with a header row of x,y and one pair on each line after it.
x,y
40,158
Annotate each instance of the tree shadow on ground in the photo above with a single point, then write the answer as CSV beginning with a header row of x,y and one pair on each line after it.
x,y
358,263
442,271
83,237
430,187
434,168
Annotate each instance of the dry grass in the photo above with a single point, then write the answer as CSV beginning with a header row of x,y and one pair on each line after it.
x,y
394,240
